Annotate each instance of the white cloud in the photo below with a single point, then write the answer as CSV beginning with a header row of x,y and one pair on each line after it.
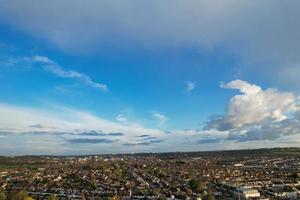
x,y
162,119
60,130
54,68
190,86
243,27
258,113
121,118
14,119
41,59
243,86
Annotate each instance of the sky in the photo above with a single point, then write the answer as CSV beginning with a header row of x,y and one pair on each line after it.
x,y
92,77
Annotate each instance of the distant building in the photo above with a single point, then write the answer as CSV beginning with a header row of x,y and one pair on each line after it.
x,y
284,192
238,165
246,193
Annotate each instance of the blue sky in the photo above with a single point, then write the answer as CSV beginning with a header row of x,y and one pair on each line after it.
x,y
138,76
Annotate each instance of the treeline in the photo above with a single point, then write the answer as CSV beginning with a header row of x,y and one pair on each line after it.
x,y
21,195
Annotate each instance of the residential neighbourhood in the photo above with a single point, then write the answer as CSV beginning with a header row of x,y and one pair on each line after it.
x,y
248,174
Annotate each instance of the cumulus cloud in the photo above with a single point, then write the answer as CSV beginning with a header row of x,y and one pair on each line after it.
x,y
257,113
52,67
162,119
190,86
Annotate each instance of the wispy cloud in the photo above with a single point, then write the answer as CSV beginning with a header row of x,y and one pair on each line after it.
x,y
121,118
67,127
100,133
162,119
65,121
89,141
208,140
142,136
143,143
41,59
273,37
54,68
190,86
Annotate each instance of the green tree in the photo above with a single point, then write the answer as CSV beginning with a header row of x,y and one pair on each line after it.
x,y
188,193
210,195
21,195
52,197
201,186
193,184
2,194
295,176
223,197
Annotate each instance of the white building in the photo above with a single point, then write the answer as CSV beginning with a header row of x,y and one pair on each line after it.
x,y
246,193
